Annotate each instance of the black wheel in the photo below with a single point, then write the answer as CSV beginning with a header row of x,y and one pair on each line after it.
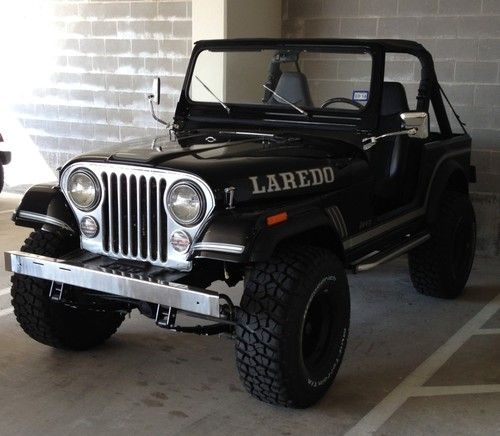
x,y
1,177
441,266
294,322
53,323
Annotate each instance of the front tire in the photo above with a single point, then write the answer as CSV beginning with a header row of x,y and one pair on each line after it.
x,y
293,326
53,323
441,266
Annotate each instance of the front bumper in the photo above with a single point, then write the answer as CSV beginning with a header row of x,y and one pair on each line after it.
x,y
124,279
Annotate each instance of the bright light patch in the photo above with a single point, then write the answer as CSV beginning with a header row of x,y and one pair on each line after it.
x,y
28,58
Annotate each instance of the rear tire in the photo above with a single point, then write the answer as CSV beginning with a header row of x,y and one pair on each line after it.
x,y
441,267
54,323
296,309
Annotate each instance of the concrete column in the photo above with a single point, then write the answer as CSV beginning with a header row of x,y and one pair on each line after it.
x,y
220,19
225,19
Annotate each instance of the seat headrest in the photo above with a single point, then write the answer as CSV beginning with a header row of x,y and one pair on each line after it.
x,y
293,86
394,99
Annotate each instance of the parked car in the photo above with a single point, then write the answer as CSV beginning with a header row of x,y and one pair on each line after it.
x,y
289,163
5,157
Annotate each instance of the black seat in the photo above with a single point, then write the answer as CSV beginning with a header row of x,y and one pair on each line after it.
x,y
394,99
389,157
293,86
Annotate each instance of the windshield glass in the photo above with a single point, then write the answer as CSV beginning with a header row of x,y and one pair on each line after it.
x,y
297,78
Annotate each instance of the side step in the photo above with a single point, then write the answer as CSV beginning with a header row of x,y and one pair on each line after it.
x,y
376,258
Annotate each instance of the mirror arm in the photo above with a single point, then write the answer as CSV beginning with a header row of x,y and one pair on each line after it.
x,y
153,114
372,140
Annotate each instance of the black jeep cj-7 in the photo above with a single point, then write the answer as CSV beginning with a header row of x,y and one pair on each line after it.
x,y
289,162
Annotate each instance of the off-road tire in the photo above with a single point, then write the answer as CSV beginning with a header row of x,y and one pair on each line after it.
x,y
54,323
273,355
1,177
441,266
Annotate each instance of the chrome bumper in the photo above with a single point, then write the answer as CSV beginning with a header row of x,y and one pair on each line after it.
x,y
99,273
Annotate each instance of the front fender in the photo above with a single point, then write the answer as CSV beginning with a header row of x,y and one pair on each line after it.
x,y
229,231
451,175
45,206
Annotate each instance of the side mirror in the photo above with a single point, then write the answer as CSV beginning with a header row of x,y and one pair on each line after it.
x,y
155,96
417,123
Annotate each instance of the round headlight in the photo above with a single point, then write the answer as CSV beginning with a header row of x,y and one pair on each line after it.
x,y
185,204
83,190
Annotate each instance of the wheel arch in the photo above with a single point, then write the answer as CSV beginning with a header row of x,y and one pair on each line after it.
x,y
44,206
310,228
450,177
259,240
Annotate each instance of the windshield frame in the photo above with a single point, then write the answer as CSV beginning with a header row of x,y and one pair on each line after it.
x,y
332,117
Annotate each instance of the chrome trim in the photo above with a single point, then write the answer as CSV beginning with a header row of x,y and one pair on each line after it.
x,y
156,291
45,219
229,197
391,255
174,259
410,216
220,247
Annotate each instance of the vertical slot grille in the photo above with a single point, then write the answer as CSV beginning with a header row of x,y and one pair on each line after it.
x,y
134,222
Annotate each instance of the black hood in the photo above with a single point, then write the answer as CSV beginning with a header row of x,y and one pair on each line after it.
x,y
245,164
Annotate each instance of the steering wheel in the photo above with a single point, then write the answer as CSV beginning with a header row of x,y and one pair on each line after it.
x,y
341,100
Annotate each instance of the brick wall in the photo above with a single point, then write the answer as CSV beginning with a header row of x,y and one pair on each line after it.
x,y
101,58
462,35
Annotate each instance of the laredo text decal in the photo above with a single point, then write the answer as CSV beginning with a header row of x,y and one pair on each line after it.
x,y
291,180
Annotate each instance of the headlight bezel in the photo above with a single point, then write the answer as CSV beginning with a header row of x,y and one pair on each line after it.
x,y
201,211
97,187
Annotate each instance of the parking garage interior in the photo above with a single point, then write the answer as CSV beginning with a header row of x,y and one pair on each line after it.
x,y
414,365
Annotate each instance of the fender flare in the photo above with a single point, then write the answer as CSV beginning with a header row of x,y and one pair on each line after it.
x,y
451,174
258,241
44,206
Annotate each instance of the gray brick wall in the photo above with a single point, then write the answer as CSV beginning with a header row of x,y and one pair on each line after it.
x,y
462,35
106,54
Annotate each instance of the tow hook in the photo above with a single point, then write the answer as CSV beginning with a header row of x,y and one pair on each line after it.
x,y
56,291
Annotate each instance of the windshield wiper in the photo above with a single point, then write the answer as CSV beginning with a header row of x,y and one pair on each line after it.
x,y
302,111
263,135
224,105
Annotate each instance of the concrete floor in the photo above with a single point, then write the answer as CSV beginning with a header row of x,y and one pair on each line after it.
x,y
414,365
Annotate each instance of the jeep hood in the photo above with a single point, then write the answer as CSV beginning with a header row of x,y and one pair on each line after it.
x,y
257,168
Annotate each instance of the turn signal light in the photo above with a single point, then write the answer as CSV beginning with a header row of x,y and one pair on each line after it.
x,y
276,219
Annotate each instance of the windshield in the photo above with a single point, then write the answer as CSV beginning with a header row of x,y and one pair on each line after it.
x,y
300,79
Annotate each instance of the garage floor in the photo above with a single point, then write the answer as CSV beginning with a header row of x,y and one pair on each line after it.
x,y
414,365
